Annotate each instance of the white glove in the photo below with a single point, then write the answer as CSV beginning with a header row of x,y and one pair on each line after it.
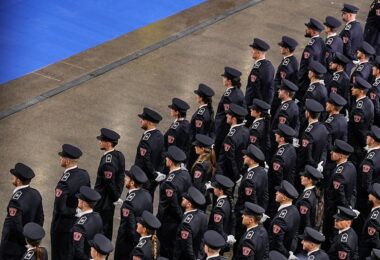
x,y
208,185
239,180
356,62
160,177
78,212
264,218
118,203
231,240
296,142
183,167
296,100
320,167
266,166
357,212
292,256
366,147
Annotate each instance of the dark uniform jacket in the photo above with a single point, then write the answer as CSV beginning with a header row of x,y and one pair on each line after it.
x,y
318,255
178,135
84,230
316,91
136,202
144,249
149,155
231,95
24,206
363,70
336,126
283,165
200,174
31,255
189,236
110,179
283,230
221,217
66,202
342,188
313,145
374,95
287,113
340,84
372,26
313,51
260,82
253,188
202,122
333,44
370,234
253,244
344,246
369,170
258,134
230,159
307,205
361,118
352,36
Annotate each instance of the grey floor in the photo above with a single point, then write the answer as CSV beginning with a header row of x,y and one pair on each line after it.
x,y
35,135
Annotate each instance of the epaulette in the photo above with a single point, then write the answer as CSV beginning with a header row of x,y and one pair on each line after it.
x,y
280,151
339,169
227,92
311,88
231,132
249,234
141,243
29,254
344,238
359,104
256,125
82,220
65,176
285,106
308,129
188,218
329,40
307,194
17,195
348,27
285,62
174,125
131,196
201,111
311,42
283,213
329,119
370,155
146,137
257,65
171,177
108,158
360,67
220,203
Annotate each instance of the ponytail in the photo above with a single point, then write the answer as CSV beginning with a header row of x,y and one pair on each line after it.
x,y
38,251
236,82
155,246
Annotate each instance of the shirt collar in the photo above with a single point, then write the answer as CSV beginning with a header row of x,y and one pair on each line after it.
x,y
233,126
343,230
373,148
212,256
187,212
251,168
175,169
315,36
317,81
229,88
221,197
203,105
19,188
309,188
144,237
258,119
252,227
259,60
84,213
284,206
309,253
375,208
290,55
133,190
331,35
281,145
342,163
68,169
150,130
109,151
360,98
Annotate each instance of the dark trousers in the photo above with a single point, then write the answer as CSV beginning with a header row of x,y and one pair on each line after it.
x,y
167,237
107,218
60,245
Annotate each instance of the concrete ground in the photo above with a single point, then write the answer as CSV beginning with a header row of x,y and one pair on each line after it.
x,y
100,92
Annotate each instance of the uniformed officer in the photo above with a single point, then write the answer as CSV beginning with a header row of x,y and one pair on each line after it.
x,y
284,226
189,235
307,202
260,127
375,254
110,178
371,32
230,158
202,121
88,224
345,242
361,118
363,68
311,243
333,42
368,173
148,246
314,140
221,216
260,80
313,51
275,255
101,247
254,242
137,201
374,92
352,34
232,95
283,164
370,233
150,149
340,81
24,206
288,68
214,242
33,234
341,190
179,132
66,202
169,208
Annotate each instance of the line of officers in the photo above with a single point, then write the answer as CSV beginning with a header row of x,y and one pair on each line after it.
x,y
307,158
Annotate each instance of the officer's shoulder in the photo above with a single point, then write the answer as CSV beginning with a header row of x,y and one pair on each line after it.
x,y
189,217
221,202
375,214
18,195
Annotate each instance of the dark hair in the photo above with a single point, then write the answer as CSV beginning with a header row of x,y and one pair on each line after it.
x,y
314,115
208,101
38,251
181,113
24,181
236,82
239,119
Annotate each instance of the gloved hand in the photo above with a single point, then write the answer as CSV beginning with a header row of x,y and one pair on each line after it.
x,y
160,177
239,180
266,166
296,100
264,218
208,185
292,256
231,240
183,166
357,212
118,203
320,166
78,212
296,142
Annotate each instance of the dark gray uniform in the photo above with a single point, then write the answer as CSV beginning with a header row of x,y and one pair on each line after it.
x,y
258,134
370,234
363,70
221,216
143,249
340,84
374,95
352,36
332,44
307,206
253,244
287,113
344,246
178,135
372,26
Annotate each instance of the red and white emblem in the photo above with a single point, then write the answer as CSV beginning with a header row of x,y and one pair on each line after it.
x,y
12,212
378,12
276,166
198,123
169,193
58,193
366,168
125,213
226,107
253,78
248,191
303,210
171,139
217,218
108,174
77,236
305,142
253,139
334,90
282,74
282,120
227,147
184,234
357,118
372,95
342,254
306,55
197,174
142,151
276,229
336,184
371,231
246,251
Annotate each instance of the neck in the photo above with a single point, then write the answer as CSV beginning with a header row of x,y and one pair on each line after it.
x,y
360,96
71,165
333,112
150,127
260,57
342,160
331,33
363,59
312,120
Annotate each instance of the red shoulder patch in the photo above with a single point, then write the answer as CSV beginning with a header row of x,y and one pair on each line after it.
x,y
282,120
12,212
142,151
227,147
184,234
366,168
125,213
305,142
248,191
246,251
276,229
171,139
197,174
253,139
336,184
357,118
108,174
371,231
342,254
169,193
58,193
198,123
77,236
303,210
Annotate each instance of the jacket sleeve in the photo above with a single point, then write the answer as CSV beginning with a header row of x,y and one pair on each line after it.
x,y
278,230
78,240
110,178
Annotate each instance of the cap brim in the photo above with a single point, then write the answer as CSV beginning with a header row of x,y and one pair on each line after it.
x,y
141,116
99,137
170,106
196,91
